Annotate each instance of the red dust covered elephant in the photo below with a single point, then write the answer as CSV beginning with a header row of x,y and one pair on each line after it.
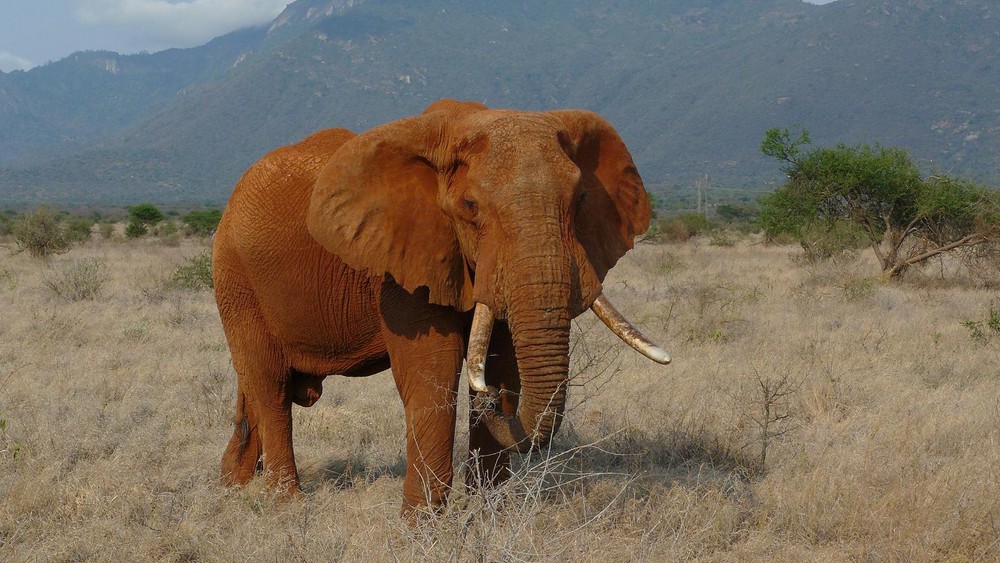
x,y
460,233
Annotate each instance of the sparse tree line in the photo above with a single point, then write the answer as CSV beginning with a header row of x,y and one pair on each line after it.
x,y
46,231
835,199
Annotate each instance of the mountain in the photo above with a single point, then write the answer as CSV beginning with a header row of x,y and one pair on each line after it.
x,y
691,85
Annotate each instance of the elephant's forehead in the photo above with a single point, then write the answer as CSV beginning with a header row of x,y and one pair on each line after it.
x,y
506,127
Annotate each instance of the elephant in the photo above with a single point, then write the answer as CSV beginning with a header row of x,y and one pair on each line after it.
x,y
460,234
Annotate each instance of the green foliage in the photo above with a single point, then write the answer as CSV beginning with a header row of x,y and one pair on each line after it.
x,y
844,197
825,239
983,329
78,229
195,274
141,218
204,222
79,280
778,144
41,233
136,230
146,213
737,213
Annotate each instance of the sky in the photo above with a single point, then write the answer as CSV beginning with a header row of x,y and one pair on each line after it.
x,y
33,32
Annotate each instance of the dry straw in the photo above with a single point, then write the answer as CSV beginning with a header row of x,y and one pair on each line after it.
x,y
811,414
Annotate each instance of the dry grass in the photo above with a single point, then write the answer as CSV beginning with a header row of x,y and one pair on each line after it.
x,y
878,413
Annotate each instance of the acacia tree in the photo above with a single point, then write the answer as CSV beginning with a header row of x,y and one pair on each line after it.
x,y
905,218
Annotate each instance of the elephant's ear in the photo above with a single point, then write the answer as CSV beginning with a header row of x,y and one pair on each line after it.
x,y
375,205
614,208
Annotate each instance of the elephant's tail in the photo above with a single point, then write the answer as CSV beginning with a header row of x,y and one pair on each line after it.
x,y
242,425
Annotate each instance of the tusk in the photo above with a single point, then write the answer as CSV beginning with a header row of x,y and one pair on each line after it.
x,y
625,330
479,342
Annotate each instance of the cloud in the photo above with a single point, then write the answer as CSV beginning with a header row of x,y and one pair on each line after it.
x,y
10,61
178,23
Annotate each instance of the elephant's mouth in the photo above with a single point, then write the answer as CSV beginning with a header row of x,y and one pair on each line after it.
x,y
508,430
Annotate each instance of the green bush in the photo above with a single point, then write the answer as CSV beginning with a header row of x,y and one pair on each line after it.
x,y
136,230
196,274
41,233
80,280
141,218
78,229
202,223
981,330
825,239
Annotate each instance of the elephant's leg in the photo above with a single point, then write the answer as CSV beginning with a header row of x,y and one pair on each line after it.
x,y
489,464
264,405
426,346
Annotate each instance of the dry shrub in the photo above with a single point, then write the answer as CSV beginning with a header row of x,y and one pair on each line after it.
x,y
79,280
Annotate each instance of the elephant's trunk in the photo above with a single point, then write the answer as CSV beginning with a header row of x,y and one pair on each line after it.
x,y
538,314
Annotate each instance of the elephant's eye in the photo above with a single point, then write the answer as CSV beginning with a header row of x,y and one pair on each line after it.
x,y
470,204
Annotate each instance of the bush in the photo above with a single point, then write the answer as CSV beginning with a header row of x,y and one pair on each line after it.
x,y
6,224
78,229
196,274
141,218
80,280
202,223
41,233
136,230
680,228
822,240
107,230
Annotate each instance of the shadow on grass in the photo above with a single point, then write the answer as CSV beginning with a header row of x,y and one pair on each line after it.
x,y
347,473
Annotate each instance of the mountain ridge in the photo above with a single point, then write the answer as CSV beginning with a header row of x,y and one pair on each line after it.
x,y
690,85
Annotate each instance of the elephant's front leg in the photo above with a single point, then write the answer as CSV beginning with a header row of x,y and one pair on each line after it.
x,y
489,463
426,346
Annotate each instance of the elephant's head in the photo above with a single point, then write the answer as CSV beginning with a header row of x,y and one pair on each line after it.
x,y
519,215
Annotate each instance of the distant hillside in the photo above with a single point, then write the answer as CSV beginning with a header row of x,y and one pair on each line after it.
x,y
691,85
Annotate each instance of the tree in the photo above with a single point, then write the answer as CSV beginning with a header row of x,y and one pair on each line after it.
x,y
141,217
905,219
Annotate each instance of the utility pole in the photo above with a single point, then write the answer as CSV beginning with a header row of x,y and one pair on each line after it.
x,y
701,185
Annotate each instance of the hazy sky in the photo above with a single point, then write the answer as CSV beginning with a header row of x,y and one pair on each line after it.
x,y
33,32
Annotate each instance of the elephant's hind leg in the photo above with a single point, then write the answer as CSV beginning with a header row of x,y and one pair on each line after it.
x,y
263,426
263,432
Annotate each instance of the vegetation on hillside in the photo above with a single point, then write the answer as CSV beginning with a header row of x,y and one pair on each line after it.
x,y
688,84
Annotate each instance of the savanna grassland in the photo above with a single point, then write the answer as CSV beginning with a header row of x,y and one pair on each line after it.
x,y
811,414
